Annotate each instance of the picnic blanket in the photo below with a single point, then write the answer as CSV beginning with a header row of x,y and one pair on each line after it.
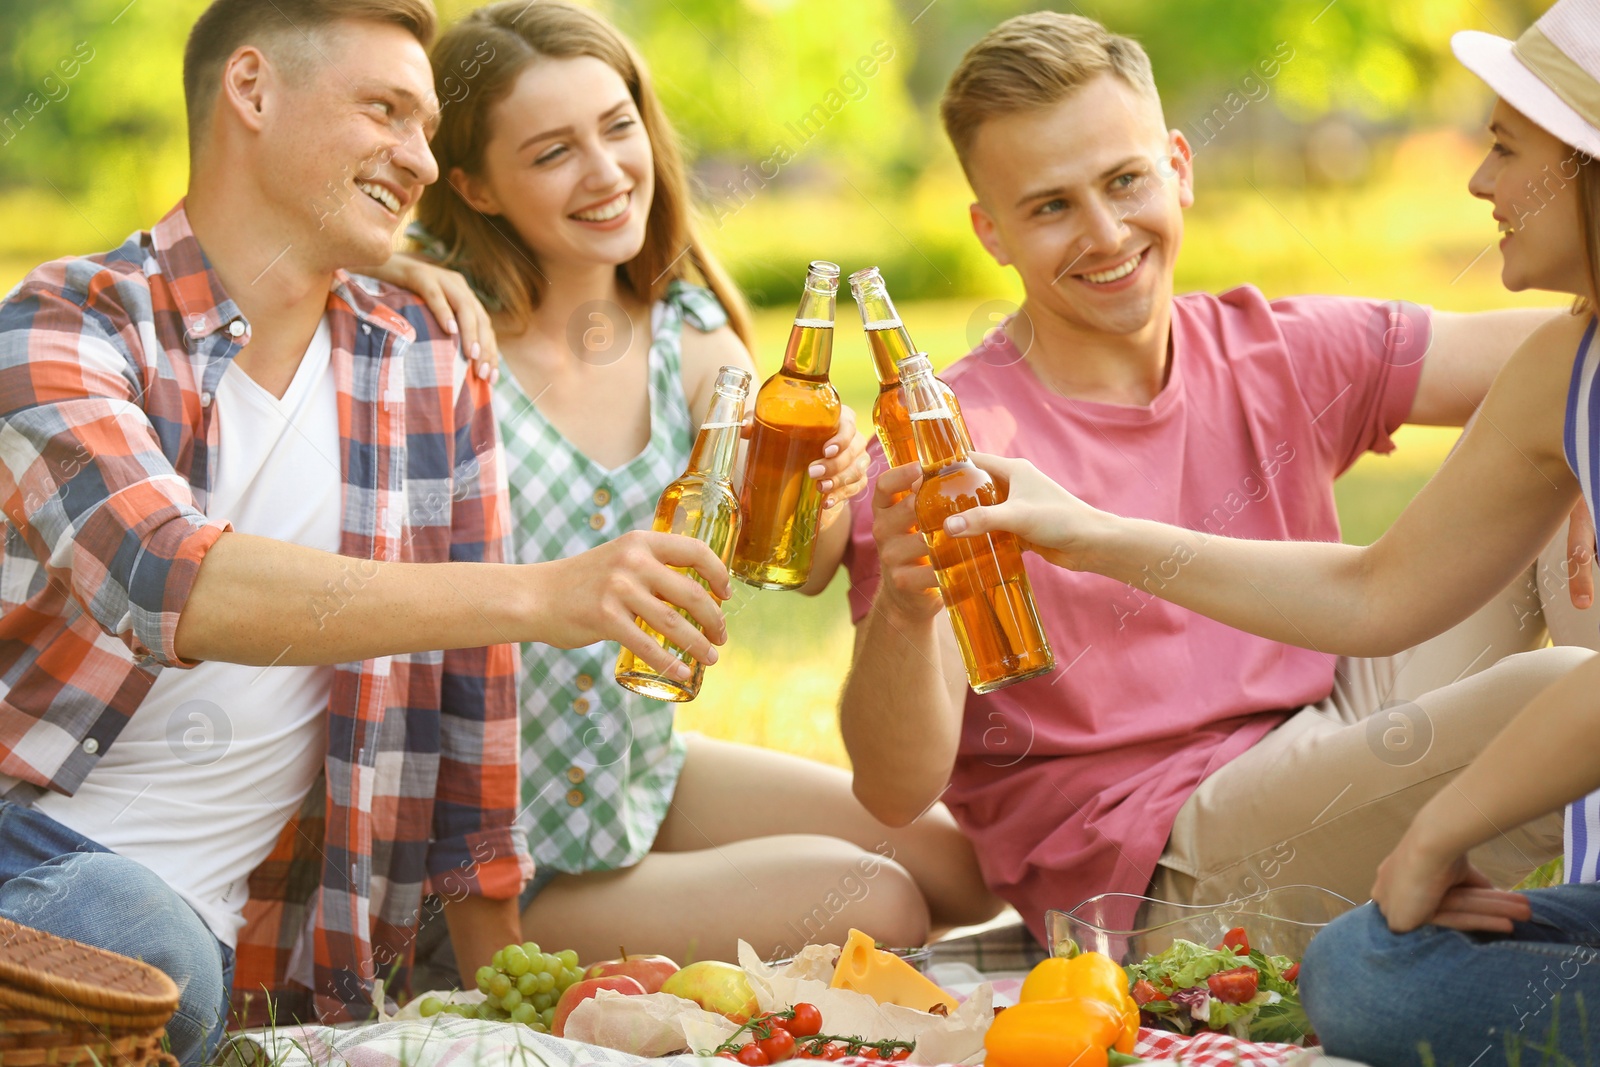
x,y
451,1041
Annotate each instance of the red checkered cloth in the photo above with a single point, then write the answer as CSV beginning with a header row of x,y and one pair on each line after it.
x,y
1210,1049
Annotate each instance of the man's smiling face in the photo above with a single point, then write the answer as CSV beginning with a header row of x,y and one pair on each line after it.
x,y
1085,199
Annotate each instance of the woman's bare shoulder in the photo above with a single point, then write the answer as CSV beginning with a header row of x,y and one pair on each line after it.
x,y
1528,401
703,355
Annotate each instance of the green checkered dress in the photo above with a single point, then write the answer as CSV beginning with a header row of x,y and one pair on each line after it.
x,y
599,763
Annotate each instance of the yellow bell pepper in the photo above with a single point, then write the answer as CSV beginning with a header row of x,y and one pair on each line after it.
x,y
1092,976
1053,1033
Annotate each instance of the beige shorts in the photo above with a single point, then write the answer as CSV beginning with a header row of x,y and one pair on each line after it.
x,y
1322,799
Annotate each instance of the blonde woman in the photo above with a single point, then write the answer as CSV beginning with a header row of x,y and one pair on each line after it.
x,y
564,199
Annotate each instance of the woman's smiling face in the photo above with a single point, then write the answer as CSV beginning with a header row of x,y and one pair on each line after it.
x,y
568,165
1531,179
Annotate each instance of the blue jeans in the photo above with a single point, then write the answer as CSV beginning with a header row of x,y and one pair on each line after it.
x,y
1378,997
55,879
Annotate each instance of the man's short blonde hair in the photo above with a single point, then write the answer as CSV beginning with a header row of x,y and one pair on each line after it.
x,y
227,25
1033,61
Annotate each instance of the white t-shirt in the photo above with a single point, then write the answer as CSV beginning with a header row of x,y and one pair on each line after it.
x,y
216,760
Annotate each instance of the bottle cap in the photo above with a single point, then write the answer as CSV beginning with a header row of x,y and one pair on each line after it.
x,y
865,277
733,381
822,276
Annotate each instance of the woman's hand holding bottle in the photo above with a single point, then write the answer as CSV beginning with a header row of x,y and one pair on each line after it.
x,y
1049,520
842,471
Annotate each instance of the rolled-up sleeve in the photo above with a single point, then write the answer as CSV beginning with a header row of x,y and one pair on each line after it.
x,y
476,847
83,477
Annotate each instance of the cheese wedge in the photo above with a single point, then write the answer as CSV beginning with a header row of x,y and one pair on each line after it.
x,y
885,977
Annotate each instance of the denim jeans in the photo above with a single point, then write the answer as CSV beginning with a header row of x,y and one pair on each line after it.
x,y
1484,999
55,879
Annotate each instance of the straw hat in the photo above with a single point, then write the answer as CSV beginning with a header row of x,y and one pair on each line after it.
x,y
1551,73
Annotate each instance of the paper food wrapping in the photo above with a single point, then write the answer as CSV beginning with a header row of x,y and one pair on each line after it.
x,y
652,1024
956,1038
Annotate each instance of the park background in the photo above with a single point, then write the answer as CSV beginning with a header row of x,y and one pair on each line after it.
x,y
1333,145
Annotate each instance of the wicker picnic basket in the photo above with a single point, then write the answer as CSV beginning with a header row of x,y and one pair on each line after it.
x,y
64,1003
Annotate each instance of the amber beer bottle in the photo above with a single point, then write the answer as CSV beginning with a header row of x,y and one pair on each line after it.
x,y
890,343
702,505
981,579
796,411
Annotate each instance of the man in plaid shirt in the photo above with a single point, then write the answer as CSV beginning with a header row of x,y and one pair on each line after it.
x,y
296,809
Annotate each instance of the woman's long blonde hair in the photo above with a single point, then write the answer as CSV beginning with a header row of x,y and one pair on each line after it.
x,y
513,34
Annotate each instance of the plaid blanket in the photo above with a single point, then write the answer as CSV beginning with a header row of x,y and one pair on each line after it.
x,y
447,1040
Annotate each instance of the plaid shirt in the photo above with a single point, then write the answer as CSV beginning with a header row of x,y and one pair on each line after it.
x,y
108,449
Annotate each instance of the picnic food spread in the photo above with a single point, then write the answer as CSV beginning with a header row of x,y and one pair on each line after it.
x,y
862,1003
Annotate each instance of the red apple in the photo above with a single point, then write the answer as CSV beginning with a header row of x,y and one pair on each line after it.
x,y
648,971
578,992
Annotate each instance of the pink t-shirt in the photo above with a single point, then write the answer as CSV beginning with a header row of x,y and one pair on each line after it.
x,y
1068,785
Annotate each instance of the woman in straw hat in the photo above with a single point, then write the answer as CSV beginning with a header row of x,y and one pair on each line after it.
x,y
1441,959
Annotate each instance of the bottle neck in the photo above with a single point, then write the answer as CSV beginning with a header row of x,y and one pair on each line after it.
x,y
933,423
886,334
889,343
938,441
716,446
810,348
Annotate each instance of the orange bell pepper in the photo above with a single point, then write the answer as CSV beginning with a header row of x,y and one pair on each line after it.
x,y
1092,976
1075,1032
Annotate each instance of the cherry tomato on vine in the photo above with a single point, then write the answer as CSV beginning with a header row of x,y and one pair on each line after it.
x,y
807,1021
752,1056
778,1047
832,1050
901,1054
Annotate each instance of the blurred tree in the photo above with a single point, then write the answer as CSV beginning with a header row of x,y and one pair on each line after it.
x,y
1368,56
87,86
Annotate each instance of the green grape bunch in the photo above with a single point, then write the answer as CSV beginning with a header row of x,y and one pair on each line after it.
x,y
521,983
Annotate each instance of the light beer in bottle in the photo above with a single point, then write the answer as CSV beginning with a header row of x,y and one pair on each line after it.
x,y
701,504
981,578
890,343
796,411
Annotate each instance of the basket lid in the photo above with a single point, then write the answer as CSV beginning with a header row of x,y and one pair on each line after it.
x,y
45,968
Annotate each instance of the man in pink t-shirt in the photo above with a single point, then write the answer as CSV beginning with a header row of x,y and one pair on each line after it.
x,y
1167,753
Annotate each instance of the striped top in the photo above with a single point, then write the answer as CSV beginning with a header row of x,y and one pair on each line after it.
x,y
1582,437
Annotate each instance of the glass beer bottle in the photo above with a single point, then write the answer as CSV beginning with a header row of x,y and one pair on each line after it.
x,y
796,411
981,579
702,505
890,343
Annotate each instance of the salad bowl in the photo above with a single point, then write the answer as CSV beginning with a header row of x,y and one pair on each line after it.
x,y
1280,922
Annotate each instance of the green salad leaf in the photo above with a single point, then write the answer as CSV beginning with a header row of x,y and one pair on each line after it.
x,y
1185,964
1274,1014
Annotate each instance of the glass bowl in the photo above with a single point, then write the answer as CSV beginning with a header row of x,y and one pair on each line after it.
x,y
1279,922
